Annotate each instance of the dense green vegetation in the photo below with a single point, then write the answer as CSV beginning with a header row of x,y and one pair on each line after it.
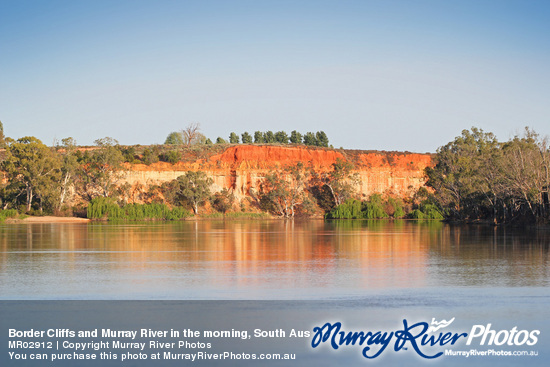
x,y
475,177
108,208
319,138
8,213
191,136
373,208
192,189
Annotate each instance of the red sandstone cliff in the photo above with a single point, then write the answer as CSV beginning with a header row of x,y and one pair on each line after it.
x,y
242,167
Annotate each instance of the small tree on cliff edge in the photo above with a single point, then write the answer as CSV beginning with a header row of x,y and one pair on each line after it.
x,y
310,139
233,138
281,137
269,137
246,138
259,137
295,137
191,134
174,138
322,139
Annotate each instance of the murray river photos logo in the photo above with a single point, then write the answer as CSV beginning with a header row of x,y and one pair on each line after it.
x,y
423,338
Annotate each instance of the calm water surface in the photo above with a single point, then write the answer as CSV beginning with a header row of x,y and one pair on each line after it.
x,y
396,261
369,275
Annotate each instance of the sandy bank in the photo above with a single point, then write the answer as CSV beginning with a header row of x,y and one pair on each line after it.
x,y
49,219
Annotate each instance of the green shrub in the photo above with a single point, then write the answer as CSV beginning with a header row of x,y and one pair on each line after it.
x,y
8,213
426,211
395,208
416,214
178,213
172,156
107,208
350,209
103,207
431,211
374,208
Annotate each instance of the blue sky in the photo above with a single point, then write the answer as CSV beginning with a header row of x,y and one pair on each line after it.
x,y
385,75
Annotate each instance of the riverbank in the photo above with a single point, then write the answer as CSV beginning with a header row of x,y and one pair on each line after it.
x,y
48,219
54,219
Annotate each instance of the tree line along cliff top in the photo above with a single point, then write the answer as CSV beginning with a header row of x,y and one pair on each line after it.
x,y
267,154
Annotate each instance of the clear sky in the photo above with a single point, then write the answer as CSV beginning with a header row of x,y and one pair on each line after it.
x,y
386,75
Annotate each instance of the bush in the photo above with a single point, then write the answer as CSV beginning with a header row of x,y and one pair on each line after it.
x,y
394,208
178,213
374,208
223,201
129,154
426,211
107,208
431,211
150,155
103,207
8,213
171,156
350,209
416,214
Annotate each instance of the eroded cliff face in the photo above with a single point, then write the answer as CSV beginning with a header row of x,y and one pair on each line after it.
x,y
241,168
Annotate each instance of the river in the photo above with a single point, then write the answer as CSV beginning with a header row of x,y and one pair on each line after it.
x,y
373,273
265,259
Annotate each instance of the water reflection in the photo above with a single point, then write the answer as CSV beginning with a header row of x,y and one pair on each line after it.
x,y
262,259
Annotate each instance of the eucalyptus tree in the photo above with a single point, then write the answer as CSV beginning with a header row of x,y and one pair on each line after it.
x,y
259,137
310,139
174,138
32,169
525,168
476,177
340,181
70,168
295,137
463,174
233,138
246,138
321,139
104,169
281,137
193,188
270,137
223,200
191,134
282,192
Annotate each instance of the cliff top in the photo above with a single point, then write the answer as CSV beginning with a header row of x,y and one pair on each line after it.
x,y
266,156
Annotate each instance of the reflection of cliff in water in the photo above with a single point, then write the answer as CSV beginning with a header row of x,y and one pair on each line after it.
x,y
331,257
